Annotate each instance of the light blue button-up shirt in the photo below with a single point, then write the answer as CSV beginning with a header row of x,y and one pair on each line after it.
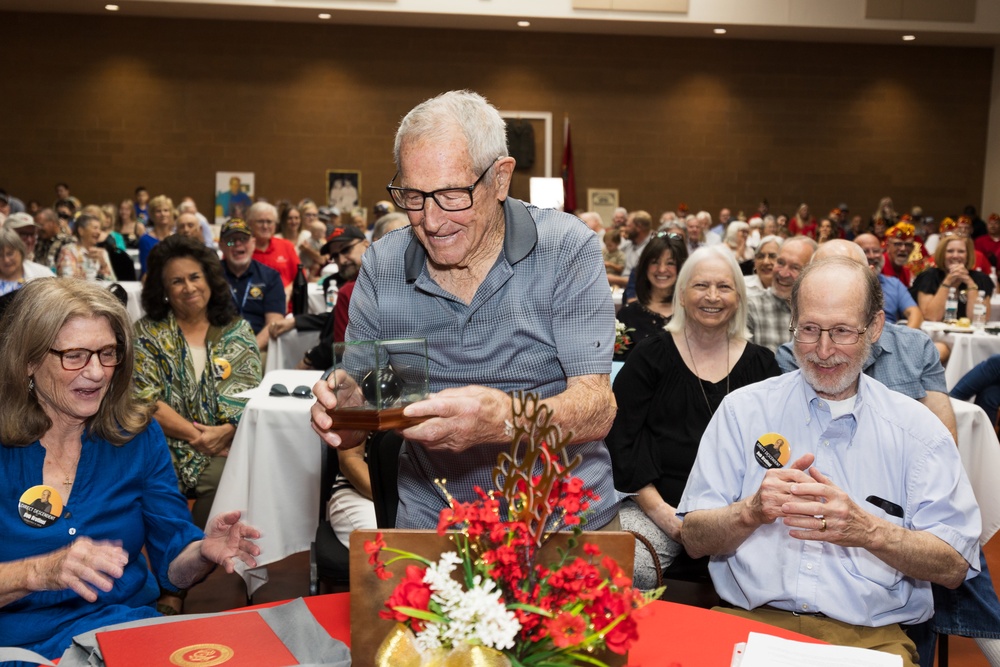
x,y
888,446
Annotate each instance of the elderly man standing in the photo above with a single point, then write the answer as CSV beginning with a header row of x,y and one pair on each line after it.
x,y
508,296
898,303
768,310
841,536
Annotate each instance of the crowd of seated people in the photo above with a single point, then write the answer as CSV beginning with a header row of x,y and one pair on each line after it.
x,y
690,292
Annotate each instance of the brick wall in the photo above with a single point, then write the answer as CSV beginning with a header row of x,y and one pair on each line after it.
x,y
107,103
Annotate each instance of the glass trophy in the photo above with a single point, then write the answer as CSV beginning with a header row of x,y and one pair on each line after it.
x,y
376,379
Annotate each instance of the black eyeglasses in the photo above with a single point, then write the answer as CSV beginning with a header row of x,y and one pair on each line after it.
x,y
669,235
840,334
77,358
448,199
299,392
238,240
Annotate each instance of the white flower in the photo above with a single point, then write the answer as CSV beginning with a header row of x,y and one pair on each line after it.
x,y
476,616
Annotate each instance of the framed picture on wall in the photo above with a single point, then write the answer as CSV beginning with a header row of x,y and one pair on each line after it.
x,y
343,188
233,194
603,201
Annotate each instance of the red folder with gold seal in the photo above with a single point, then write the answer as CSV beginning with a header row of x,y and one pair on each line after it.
x,y
233,640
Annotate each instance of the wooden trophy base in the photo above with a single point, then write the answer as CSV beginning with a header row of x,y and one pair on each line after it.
x,y
373,420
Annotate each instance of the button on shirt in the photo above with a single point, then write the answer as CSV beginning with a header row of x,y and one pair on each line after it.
x,y
543,313
888,446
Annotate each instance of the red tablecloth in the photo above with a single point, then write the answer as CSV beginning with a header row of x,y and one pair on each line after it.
x,y
673,635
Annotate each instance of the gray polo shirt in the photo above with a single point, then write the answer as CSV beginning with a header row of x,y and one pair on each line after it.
x,y
542,314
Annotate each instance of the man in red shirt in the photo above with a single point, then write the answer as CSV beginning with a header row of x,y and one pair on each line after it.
x,y
277,253
898,246
989,243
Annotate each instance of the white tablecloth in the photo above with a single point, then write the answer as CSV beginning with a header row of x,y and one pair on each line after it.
x,y
980,451
285,351
273,472
968,348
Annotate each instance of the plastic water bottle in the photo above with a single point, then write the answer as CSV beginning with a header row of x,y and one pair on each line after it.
x,y
979,312
951,306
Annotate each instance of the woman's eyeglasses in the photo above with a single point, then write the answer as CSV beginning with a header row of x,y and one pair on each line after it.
x,y
77,358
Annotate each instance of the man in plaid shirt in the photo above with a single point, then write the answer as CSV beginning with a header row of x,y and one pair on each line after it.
x,y
768,312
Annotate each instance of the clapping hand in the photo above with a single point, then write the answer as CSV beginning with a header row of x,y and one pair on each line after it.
x,y
228,539
82,566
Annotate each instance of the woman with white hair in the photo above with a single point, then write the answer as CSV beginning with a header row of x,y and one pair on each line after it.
x,y
667,392
764,258
737,235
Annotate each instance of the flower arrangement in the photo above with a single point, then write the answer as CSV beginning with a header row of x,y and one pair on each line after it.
x,y
622,339
491,595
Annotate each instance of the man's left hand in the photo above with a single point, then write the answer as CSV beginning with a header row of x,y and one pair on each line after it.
x,y
833,517
459,418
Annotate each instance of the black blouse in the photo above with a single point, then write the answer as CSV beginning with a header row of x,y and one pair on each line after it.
x,y
644,321
929,281
662,413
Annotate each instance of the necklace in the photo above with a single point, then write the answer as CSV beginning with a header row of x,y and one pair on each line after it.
x,y
701,383
68,481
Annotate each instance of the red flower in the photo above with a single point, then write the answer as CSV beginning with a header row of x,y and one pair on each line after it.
x,y
566,629
411,592
373,549
592,549
621,637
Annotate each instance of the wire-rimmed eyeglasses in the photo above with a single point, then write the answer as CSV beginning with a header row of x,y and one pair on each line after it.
x,y
839,335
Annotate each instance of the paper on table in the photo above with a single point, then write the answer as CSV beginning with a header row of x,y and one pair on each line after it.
x,y
770,651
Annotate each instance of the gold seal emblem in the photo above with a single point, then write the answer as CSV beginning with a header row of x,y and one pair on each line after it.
x,y
256,293
201,655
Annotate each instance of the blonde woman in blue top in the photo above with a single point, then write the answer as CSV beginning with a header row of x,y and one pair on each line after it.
x,y
73,434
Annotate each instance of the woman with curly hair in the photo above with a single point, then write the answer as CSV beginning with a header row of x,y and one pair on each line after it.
x,y
193,354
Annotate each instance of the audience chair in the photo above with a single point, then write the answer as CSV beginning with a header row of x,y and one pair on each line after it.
x,y
122,265
329,560
383,468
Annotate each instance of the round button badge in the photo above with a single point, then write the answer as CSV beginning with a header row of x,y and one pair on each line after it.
x,y
772,450
40,506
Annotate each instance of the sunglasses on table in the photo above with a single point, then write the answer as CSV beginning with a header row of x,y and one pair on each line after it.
x,y
299,392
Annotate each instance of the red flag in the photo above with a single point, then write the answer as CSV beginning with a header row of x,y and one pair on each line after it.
x,y
569,180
